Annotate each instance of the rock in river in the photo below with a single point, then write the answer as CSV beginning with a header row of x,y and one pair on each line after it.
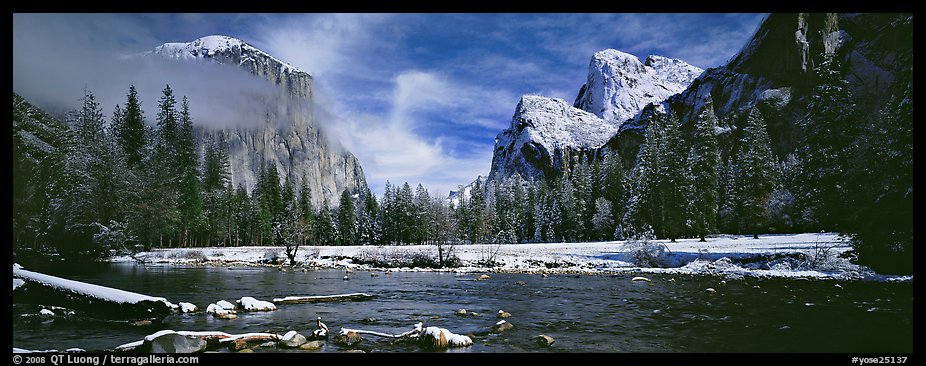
x,y
174,343
545,340
347,339
292,339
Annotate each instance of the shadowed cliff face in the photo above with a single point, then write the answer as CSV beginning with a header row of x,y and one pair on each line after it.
x,y
287,135
775,72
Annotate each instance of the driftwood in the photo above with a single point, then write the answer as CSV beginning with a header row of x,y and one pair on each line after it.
x,y
429,337
313,299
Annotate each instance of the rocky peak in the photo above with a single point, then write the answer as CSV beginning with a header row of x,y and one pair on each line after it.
x,y
288,136
542,135
619,85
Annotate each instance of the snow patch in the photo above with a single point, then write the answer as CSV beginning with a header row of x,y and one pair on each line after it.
x,y
252,304
186,307
225,305
17,283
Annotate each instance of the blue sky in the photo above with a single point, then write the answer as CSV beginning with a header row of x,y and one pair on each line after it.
x,y
417,97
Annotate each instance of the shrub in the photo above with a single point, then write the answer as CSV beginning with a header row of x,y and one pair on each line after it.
x,y
644,251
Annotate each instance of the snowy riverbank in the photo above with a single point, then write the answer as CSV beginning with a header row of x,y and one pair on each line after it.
x,y
810,255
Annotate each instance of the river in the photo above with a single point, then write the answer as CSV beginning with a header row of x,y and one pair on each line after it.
x,y
584,313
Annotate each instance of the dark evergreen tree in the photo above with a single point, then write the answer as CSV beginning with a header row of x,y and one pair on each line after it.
x,y
703,168
189,199
755,172
325,226
370,222
306,213
131,132
673,185
347,220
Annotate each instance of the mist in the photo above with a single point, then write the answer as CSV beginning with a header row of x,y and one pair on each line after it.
x,y
56,57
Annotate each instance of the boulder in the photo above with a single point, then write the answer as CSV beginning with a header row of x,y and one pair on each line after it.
x,y
312,346
348,339
483,278
175,343
292,339
246,350
503,314
226,316
237,345
141,323
501,326
545,340
460,312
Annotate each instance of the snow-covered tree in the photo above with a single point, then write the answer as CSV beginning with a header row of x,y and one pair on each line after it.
x,y
347,220
703,168
755,172
603,220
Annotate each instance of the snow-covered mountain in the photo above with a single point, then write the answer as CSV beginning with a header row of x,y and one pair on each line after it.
x,y
545,133
289,136
542,134
619,85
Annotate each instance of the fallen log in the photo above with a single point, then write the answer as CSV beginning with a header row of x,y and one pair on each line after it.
x,y
39,288
428,337
324,298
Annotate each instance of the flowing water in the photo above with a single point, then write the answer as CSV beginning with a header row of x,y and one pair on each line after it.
x,y
587,313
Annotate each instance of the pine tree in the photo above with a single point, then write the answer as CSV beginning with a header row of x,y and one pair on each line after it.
x,y
388,214
93,182
829,137
131,132
306,213
476,213
421,216
404,210
603,220
370,222
346,220
673,185
614,184
190,201
326,230
571,225
584,200
755,171
703,167
643,208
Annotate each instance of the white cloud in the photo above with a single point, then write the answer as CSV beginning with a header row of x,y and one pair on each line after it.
x,y
389,147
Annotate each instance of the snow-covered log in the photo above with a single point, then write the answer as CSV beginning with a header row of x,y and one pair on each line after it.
x,y
45,289
359,296
431,337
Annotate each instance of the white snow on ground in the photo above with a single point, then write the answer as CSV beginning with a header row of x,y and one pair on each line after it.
x,y
686,256
46,312
225,305
18,282
187,307
252,304
86,289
